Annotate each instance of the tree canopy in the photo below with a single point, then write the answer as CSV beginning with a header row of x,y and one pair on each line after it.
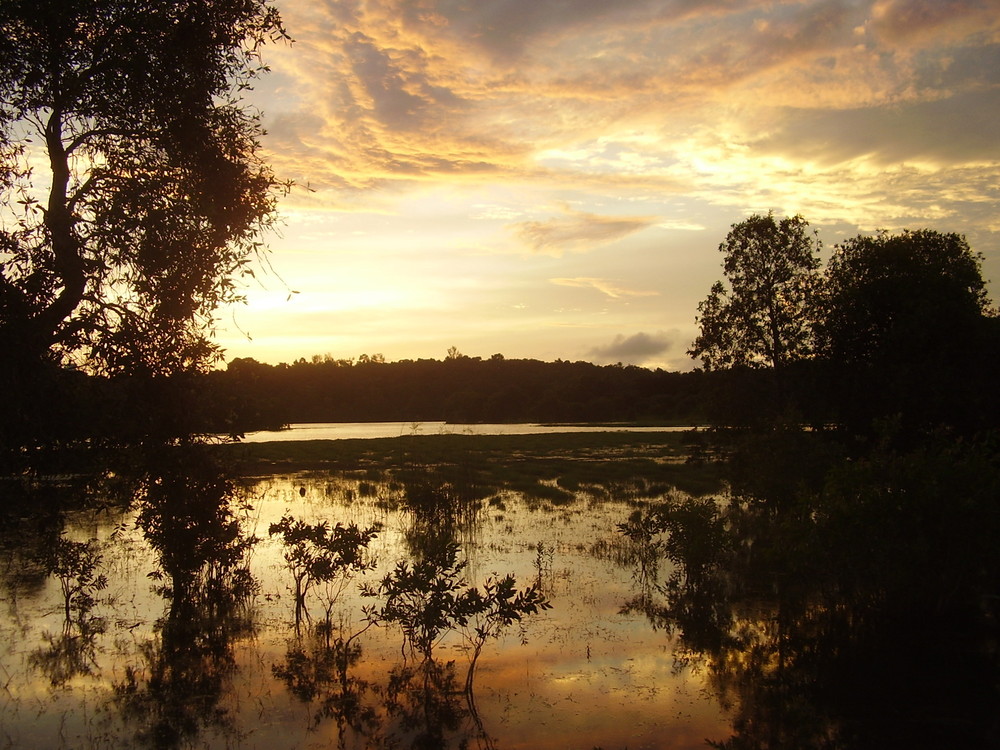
x,y
759,316
916,295
895,326
134,193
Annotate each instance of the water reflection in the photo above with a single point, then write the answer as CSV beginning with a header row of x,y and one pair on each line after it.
x,y
73,652
425,704
193,643
849,614
319,672
178,688
188,512
70,654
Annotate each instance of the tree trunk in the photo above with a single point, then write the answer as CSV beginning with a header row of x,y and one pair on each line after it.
x,y
66,251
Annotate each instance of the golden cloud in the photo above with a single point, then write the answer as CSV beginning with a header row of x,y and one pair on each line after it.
x,y
576,231
610,288
803,103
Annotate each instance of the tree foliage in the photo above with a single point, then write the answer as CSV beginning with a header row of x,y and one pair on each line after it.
x,y
903,297
321,554
896,326
130,169
431,598
758,316
905,331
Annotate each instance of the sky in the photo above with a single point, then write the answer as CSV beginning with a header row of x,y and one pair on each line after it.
x,y
551,179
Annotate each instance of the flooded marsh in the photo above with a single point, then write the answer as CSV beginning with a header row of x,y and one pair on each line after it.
x,y
504,592
192,640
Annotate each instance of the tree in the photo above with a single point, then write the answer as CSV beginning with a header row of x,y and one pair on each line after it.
x,y
905,331
130,169
914,296
319,554
760,317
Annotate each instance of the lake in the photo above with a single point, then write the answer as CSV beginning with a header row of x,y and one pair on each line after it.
x,y
225,666
349,430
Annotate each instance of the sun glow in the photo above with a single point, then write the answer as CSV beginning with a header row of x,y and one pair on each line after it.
x,y
457,159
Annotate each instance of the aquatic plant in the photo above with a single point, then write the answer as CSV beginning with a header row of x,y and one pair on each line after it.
x,y
75,565
317,553
431,598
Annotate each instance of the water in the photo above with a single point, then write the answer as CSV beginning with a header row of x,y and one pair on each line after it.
x,y
706,620
346,430
153,671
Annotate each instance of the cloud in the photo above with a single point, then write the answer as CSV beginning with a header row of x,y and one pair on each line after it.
x,y
954,130
604,286
510,30
386,85
577,231
940,20
680,225
636,349
816,106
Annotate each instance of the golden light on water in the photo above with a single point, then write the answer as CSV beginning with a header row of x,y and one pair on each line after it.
x,y
581,672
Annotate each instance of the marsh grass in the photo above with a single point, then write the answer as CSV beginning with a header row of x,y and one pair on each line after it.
x,y
550,468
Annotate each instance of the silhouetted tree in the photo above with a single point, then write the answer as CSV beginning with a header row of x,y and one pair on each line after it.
x,y
131,167
895,297
905,325
759,317
321,554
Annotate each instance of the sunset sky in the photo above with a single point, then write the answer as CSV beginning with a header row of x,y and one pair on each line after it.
x,y
551,179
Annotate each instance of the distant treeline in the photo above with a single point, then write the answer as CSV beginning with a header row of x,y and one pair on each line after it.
x,y
62,407
59,407
249,394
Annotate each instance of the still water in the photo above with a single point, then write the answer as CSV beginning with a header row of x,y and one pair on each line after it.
x,y
345,430
138,666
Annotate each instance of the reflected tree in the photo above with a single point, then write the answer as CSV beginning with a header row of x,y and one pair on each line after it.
x,y
70,654
424,705
318,673
854,611
73,652
441,513
189,512
687,536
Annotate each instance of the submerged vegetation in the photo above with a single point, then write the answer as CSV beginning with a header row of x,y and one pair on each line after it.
x,y
318,555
